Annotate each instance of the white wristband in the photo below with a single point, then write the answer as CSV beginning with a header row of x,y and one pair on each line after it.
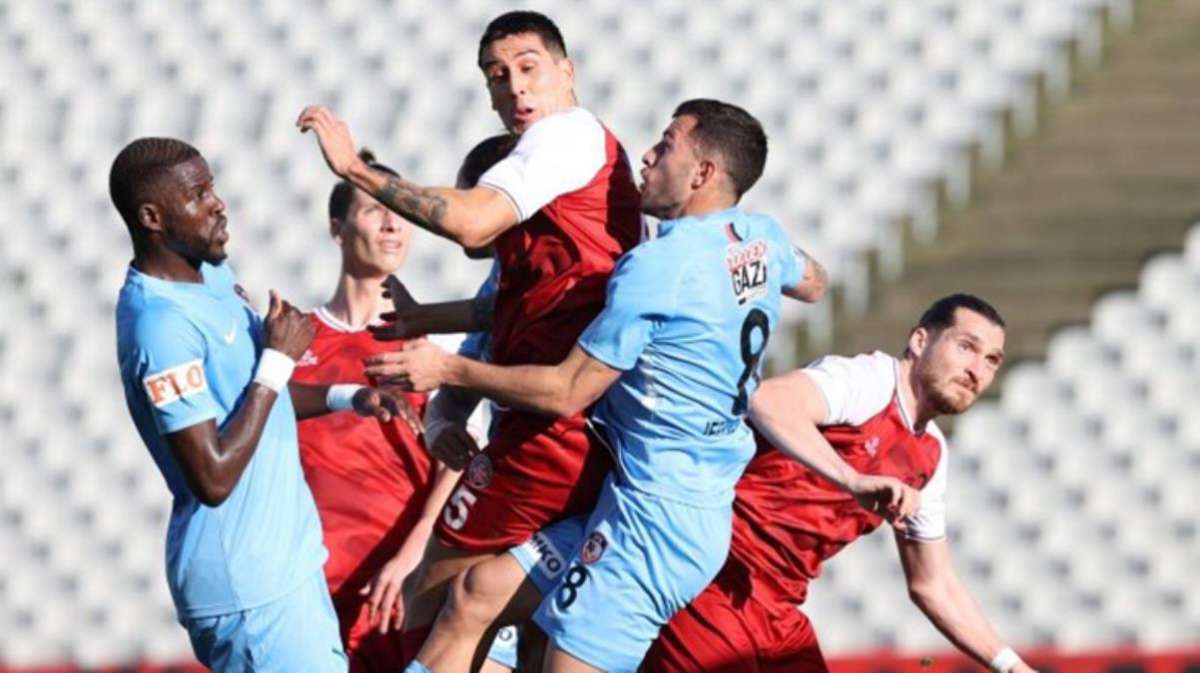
x,y
341,396
274,369
1004,661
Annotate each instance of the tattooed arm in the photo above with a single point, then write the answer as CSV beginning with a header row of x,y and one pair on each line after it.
x,y
812,286
472,218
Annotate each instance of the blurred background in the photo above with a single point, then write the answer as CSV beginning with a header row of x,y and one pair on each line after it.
x,y
1044,154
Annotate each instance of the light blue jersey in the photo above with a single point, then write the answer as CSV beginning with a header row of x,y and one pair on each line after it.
x,y
687,320
476,345
187,353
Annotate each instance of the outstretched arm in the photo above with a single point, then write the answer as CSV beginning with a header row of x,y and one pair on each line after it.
x,y
409,318
937,590
558,390
472,218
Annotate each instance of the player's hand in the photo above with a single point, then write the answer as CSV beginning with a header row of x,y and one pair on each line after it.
x,y
288,330
385,405
451,443
337,145
385,591
398,324
886,496
419,366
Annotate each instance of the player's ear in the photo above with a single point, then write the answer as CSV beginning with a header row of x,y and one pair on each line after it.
x,y
567,66
918,340
335,229
150,217
706,171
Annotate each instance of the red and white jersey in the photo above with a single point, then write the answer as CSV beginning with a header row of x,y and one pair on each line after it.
x,y
572,186
788,519
369,479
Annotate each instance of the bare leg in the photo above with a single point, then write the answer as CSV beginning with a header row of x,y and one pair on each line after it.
x,y
489,595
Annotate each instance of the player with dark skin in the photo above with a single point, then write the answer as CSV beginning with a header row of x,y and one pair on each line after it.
x,y
180,224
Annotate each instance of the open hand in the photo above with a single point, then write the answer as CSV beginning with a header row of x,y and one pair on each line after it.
x,y
419,366
397,323
337,145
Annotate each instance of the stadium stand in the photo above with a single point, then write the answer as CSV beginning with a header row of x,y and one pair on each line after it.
x,y
1083,471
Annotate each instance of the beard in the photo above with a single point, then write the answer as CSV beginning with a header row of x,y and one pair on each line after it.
x,y
942,395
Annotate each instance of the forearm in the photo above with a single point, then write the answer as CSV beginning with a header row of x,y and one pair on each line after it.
x,y
801,439
444,481
212,461
538,388
438,210
812,287
951,608
309,400
451,317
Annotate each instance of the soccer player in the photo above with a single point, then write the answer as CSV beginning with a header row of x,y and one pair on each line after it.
x,y
376,491
671,364
559,210
205,379
877,412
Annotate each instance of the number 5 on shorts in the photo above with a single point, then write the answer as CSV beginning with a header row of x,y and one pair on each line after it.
x,y
458,508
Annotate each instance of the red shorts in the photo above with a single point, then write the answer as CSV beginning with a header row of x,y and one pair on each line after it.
x,y
722,631
536,470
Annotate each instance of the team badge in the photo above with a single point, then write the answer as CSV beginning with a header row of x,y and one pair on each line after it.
x,y
479,472
747,264
593,548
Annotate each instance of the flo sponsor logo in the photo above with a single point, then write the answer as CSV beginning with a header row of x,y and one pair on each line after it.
x,y
175,383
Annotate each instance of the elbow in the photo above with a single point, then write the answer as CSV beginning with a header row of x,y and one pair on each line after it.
x,y
923,594
472,238
212,495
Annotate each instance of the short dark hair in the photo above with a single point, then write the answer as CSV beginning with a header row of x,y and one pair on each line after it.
x,y
482,157
940,314
343,192
516,23
731,132
138,168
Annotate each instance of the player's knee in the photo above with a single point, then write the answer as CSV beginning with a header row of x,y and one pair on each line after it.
x,y
471,604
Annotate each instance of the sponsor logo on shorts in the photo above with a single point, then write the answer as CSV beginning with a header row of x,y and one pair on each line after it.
x,y
593,548
549,560
479,472
175,383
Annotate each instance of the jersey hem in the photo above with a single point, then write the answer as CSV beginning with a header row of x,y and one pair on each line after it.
x,y
236,606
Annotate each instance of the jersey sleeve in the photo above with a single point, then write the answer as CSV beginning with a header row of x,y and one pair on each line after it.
x,y
641,296
170,353
555,156
792,260
856,388
928,523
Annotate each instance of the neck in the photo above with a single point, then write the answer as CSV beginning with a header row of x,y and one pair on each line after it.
x,y
358,300
166,264
914,405
703,203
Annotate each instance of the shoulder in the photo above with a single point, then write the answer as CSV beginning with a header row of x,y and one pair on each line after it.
x,y
159,317
575,120
877,367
